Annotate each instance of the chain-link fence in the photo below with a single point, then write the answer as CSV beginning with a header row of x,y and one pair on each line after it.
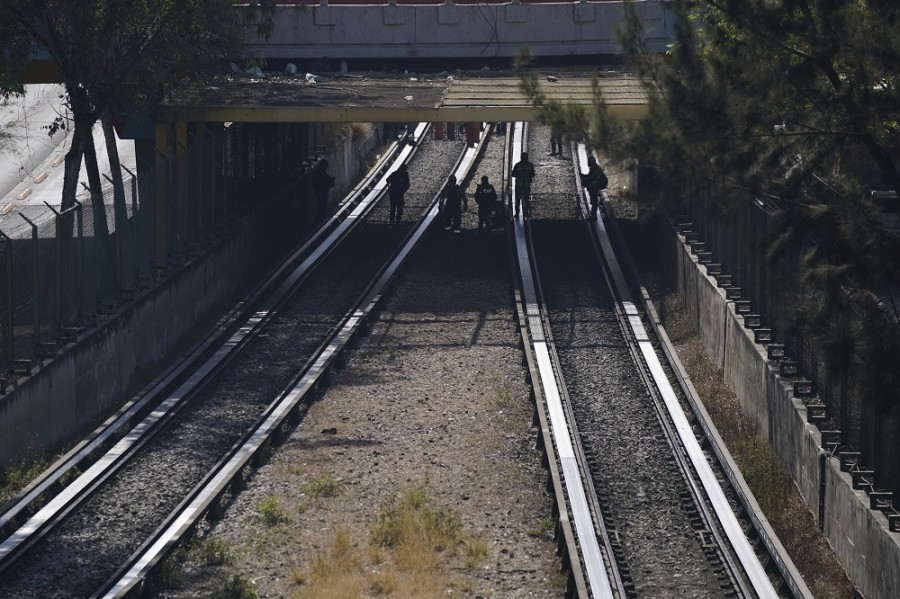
x,y
62,270
735,231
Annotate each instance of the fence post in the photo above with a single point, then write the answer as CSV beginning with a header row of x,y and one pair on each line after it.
x,y
8,337
134,231
57,300
35,285
79,218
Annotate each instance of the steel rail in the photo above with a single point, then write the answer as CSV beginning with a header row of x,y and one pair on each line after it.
x,y
732,569
753,569
776,551
567,547
50,513
132,575
82,454
598,579
616,581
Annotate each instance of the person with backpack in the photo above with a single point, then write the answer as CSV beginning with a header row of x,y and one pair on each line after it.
x,y
594,180
398,183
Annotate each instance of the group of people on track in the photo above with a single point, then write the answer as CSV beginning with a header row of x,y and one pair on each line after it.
x,y
453,201
594,180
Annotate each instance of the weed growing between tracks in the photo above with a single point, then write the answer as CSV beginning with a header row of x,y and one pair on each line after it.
x,y
14,480
411,542
773,488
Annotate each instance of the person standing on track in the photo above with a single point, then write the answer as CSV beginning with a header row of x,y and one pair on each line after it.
x,y
556,147
594,180
523,173
398,183
322,183
452,203
485,197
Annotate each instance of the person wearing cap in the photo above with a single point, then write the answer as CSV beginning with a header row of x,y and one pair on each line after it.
x,y
594,180
485,197
523,174
398,183
322,183
452,203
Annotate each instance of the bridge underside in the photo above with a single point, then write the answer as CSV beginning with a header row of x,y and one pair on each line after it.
x,y
487,96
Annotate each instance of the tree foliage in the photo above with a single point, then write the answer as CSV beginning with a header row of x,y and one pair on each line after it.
x,y
116,57
795,102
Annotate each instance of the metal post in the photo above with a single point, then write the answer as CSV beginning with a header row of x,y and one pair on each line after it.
x,y
135,227
57,300
79,217
8,335
35,284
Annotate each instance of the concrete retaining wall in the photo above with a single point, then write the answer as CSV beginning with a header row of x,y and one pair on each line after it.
x,y
860,537
87,379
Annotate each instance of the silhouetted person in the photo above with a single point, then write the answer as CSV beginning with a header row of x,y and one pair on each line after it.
x,y
594,180
398,183
556,147
322,183
523,173
486,198
452,202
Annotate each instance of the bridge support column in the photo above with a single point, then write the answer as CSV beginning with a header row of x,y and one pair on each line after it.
x,y
473,131
439,130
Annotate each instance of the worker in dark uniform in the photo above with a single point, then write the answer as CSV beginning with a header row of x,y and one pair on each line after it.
x,y
523,173
452,203
594,180
556,147
398,183
485,197
322,183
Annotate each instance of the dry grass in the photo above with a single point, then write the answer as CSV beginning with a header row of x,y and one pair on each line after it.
x,y
14,480
411,547
772,486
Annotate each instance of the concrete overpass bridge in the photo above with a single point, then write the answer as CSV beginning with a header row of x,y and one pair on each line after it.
x,y
369,30
332,37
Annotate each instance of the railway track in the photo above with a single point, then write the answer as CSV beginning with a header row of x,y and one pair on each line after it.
x,y
662,522
148,479
632,520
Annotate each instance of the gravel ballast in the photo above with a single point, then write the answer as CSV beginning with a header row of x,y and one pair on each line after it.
x,y
434,400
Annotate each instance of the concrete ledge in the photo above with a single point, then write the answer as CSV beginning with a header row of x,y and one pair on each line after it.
x,y
860,536
88,378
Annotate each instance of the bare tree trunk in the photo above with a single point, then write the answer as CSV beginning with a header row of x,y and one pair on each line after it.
x,y
101,229
73,168
115,166
123,230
